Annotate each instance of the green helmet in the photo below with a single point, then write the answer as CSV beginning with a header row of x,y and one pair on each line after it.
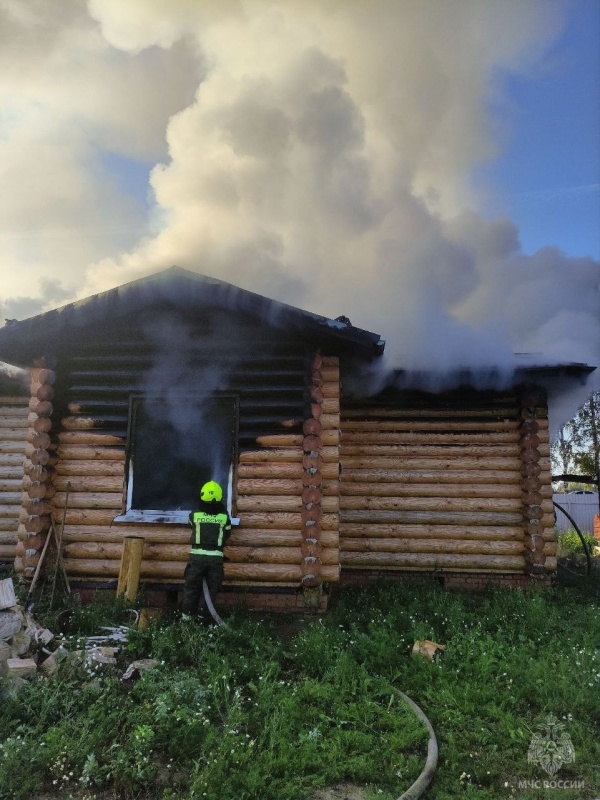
x,y
211,492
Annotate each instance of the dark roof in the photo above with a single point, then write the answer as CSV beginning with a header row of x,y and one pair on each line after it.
x,y
23,341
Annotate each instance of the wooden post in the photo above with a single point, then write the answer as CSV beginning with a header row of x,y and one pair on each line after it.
x,y
131,563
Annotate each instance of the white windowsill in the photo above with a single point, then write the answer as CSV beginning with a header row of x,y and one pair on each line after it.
x,y
162,517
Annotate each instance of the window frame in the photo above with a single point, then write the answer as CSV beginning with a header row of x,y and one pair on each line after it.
x,y
174,516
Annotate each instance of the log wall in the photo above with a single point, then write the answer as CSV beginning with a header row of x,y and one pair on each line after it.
x,y
286,399
436,484
14,426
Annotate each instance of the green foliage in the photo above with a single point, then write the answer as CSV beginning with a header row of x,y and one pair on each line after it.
x,y
570,542
243,713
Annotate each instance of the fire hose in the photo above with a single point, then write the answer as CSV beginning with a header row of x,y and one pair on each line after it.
x,y
210,605
418,787
422,782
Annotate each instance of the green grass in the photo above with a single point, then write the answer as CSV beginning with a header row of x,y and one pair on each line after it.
x,y
243,713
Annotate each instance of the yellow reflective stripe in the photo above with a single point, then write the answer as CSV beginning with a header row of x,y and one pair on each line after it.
x,y
197,552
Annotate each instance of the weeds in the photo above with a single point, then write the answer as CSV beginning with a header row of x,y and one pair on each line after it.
x,y
241,713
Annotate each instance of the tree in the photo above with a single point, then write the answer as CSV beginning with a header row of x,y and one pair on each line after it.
x,y
585,433
577,448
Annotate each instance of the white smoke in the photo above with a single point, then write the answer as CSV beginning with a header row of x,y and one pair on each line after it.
x,y
317,153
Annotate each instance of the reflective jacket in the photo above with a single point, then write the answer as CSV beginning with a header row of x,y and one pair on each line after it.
x,y
211,527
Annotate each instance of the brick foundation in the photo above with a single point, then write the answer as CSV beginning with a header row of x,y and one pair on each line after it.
x,y
287,600
450,580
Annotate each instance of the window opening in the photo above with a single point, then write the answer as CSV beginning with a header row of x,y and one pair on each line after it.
x,y
173,448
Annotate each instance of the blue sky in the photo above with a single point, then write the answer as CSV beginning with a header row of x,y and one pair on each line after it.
x,y
547,177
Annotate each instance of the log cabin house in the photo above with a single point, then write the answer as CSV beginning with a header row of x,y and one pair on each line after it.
x,y
141,393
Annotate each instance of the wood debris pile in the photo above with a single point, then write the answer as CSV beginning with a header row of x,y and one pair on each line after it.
x,y
27,649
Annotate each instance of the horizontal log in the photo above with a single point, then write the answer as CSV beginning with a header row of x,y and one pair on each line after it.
x,y
18,409
550,564
97,483
290,487
11,512
89,439
429,504
267,538
8,537
109,568
278,454
330,405
85,516
330,374
330,421
12,460
11,486
478,547
429,561
84,453
330,455
16,425
504,411
497,437
433,531
427,426
441,490
511,464
280,440
10,524
281,470
113,500
432,476
278,573
7,552
274,503
181,535
11,473
251,486
285,521
465,518
330,389
89,468
152,551
275,555
400,451
13,446
166,533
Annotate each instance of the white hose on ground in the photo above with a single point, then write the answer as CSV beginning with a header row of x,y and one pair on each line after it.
x,y
210,605
418,787
426,776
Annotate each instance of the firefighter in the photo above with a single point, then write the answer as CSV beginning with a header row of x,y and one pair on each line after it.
x,y
211,527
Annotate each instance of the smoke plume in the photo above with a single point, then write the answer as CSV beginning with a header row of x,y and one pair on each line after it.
x,y
318,153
